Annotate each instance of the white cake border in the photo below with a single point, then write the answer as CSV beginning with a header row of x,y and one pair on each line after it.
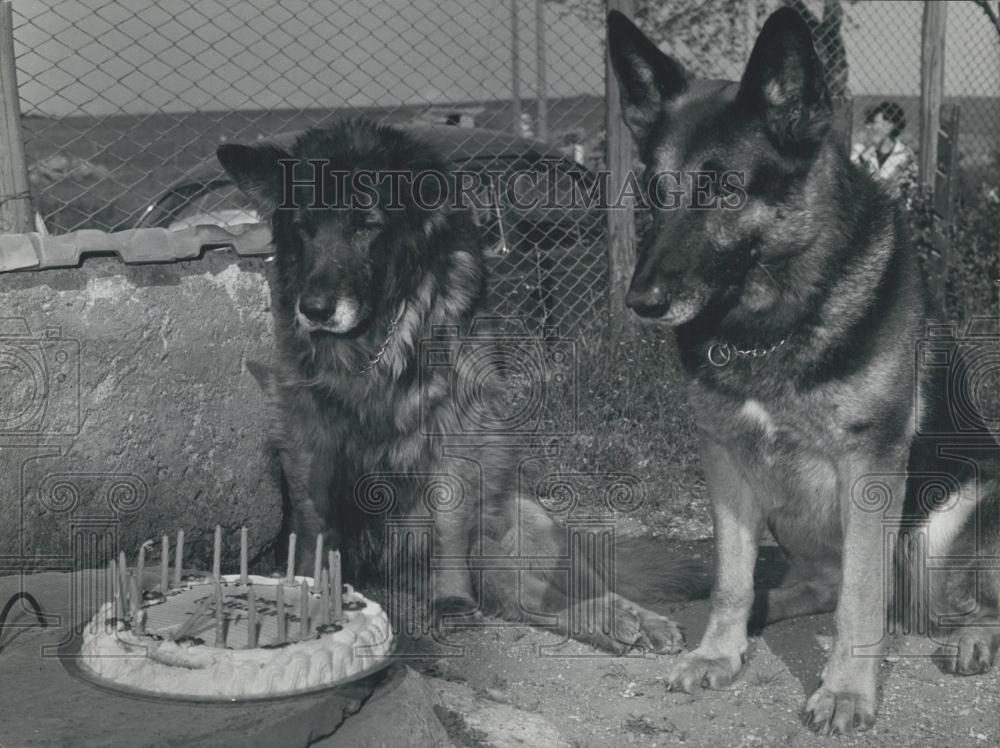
x,y
74,659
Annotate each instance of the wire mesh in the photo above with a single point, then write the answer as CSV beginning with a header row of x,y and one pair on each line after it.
x,y
872,52
125,101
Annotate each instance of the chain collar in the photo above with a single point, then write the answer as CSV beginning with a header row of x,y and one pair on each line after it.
x,y
721,354
376,359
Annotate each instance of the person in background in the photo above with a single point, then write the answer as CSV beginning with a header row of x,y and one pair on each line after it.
x,y
572,147
881,150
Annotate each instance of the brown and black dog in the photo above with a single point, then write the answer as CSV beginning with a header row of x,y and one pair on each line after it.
x,y
367,402
824,415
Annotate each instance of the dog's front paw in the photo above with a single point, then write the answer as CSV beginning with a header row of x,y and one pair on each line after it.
x,y
702,668
969,651
838,712
632,627
659,634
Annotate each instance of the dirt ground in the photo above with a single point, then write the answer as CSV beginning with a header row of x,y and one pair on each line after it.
x,y
592,700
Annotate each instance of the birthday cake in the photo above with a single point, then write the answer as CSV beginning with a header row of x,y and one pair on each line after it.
x,y
235,636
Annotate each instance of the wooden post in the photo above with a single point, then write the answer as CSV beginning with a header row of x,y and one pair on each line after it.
x,y
15,195
931,85
515,69
621,218
945,181
541,74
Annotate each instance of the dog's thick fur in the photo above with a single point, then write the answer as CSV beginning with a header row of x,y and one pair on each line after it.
x,y
361,423
798,316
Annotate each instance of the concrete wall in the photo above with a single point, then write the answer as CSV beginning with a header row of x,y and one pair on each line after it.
x,y
129,398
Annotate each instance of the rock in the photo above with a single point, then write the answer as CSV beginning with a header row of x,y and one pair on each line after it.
x,y
495,724
124,395
400,714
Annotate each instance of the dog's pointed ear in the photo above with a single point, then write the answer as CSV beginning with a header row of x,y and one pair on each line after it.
x,y
648,79
257,171
784,83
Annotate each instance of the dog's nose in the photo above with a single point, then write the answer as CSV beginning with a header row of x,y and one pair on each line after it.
x,y
317,307
650,302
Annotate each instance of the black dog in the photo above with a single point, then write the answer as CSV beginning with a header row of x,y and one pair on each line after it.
x,y
798,308
360,422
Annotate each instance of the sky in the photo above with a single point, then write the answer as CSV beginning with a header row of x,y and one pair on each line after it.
x,y
107,56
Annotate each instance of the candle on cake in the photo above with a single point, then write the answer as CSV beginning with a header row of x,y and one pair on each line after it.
x,y
336,586
318,560
141,563
113,572
324,607
217,554
219,628
123,581
243,555
136,605
280,605
304,609
164,564
290,575
178,558
251,618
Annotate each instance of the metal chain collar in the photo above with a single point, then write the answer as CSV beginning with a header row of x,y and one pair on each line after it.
x,y
376,359
721,354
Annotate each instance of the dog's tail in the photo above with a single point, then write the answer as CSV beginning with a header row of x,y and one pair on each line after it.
x,y
651,571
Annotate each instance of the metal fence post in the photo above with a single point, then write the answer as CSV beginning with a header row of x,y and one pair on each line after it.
x,y
515,69
15,195
931,85
944,179
541,70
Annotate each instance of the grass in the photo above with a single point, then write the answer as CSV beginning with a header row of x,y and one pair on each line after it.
x,y
633,418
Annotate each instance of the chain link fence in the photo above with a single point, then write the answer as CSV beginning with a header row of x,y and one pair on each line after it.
x,y
870,48
125,101
883,42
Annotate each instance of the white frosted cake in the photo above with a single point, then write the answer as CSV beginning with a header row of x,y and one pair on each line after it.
x,y
179,645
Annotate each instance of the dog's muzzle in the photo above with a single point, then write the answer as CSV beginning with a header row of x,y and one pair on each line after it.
x,y
673,310
337,315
